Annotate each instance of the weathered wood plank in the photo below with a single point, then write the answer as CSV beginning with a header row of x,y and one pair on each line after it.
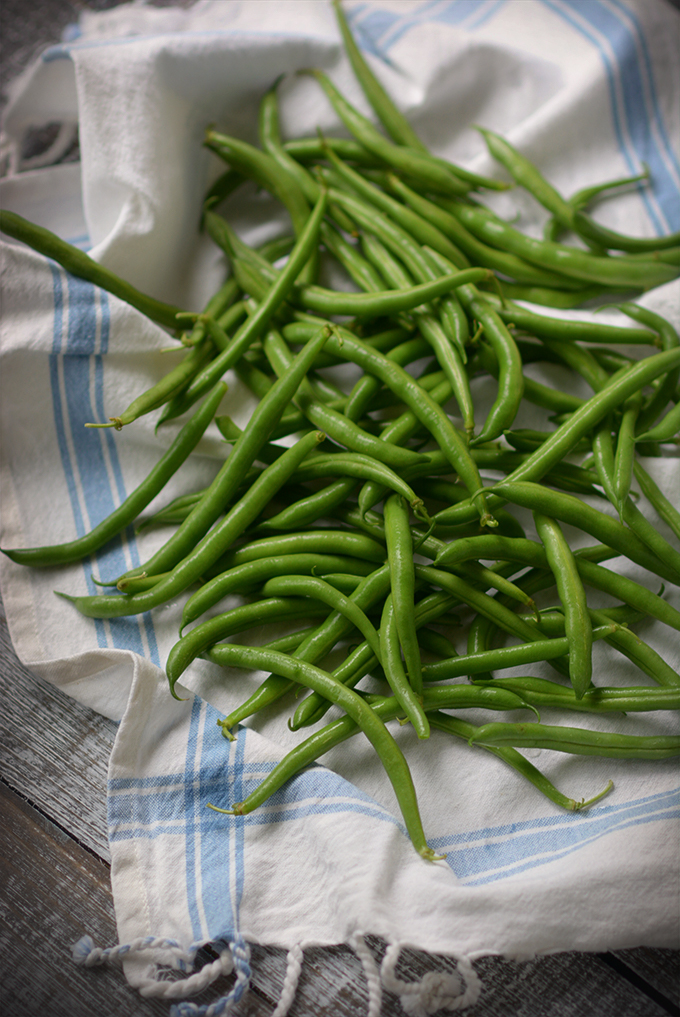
x,y
659,968
54,751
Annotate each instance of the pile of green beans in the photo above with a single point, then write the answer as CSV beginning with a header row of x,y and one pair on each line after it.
x,y
377,537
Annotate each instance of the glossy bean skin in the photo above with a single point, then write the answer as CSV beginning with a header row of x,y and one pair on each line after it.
x,y
127,512
258,322
615,272
528,176
394,122
209,549
579,741
440,176
387,708
229,623
589,230
541,692
481,253
318,590
396,676
348,347
506,656
234,470
656,497
667,430
250,575
80,264
569,509
577,625
402,579
313,677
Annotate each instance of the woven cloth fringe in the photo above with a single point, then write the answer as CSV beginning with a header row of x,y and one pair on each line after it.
x,y
436,991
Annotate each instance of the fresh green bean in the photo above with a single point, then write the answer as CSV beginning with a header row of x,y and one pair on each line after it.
x,y
168,464
578,628
80,264
579,741
313,677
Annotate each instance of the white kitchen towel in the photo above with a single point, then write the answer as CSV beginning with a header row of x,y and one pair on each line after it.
x,y
590,92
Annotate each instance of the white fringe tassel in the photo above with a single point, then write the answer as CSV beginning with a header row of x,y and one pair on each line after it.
x,y
437,990
171,955
290,982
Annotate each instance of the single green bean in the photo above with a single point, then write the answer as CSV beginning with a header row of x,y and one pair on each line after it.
x,y
313,677
579,741
82,265
168,464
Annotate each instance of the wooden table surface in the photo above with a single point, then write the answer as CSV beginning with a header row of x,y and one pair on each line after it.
x,y
55,887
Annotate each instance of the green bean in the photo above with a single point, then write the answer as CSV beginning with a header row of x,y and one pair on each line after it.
x,y
579,741
232,473
261,167
590,230
541,692
436,643
402,687
452,725
666,430
313,149
625,452
384,302
355,545
657,499
457,697
357,267
593,410
583,198
339,427
569,509
394,122
369,591
115,523
528,552
617,272
342,581
578,628
568,331
317,589
312,507
365,468
239,619
356,665
402,580
475,249
80,264
534,391
510,377
443,177
313,677
506,656
669,340
415,225
209,549
527,175
567,297
642,655
428,412
250,575
255,325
